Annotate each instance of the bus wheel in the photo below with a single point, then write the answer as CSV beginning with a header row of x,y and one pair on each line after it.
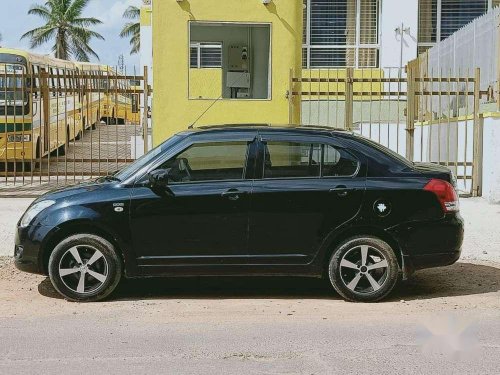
x,y
67,137
32,165
61,151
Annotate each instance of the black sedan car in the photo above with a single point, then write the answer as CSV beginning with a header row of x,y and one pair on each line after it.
x,y
248,200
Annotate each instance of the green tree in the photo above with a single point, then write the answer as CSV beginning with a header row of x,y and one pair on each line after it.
x,y
66,27
132,29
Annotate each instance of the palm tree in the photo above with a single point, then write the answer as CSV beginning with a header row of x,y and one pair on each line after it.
x,y
132,29
65,24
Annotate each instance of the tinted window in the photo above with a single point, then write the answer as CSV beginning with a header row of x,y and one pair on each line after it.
x,y
289,159
338,163
209,162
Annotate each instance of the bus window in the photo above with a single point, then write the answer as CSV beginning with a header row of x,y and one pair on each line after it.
x,y
135,103
35,80
52,83
62,84
69,75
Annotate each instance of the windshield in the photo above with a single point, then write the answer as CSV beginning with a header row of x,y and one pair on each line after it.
x,y
144,160
13,84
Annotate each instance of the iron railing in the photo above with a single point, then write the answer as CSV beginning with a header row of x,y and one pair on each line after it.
x,y
67,124
424,116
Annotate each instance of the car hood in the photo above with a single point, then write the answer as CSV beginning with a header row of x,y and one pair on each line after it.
x,y
82,188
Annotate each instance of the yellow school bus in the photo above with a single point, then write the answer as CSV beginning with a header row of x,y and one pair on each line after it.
x,y
111,99
45,103
37,116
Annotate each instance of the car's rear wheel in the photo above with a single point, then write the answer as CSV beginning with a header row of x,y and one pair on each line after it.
x,y
85,268
363,269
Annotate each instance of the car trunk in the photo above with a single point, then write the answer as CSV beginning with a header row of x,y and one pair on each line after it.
x,y
433,170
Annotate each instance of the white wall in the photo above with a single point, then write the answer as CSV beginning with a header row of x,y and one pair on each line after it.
x,y
395,12
146,52
491,158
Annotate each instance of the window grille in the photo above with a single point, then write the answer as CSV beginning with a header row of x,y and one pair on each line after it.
x,y
205,55
438,19
341,33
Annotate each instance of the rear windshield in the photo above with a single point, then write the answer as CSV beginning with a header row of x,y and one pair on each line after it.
x,y
385,150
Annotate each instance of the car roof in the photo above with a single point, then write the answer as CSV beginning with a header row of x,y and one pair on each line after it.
x,y
268,128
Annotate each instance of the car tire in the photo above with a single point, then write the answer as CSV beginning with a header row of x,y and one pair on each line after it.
x,y
363,269
85,268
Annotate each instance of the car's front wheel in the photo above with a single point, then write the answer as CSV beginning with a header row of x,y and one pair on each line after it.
x,y
363,269
85,268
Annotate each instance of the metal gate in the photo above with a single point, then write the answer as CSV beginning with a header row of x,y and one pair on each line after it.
x,y
62,123
425,116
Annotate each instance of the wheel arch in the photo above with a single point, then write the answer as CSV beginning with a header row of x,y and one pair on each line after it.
x,y
357,231
76,227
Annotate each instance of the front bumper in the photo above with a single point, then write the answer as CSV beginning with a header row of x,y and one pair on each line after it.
x,y
28,245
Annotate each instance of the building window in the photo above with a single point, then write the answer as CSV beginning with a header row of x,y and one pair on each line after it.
x,y
241,57
205,55
438,19
341,33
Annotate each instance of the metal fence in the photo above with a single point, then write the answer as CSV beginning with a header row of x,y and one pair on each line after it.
x,y
425,117
475,45
63,125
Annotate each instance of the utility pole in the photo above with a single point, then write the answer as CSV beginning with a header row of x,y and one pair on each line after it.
x,y
401,31
121,64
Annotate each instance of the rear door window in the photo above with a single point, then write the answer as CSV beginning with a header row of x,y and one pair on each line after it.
x,y
284,159
292,160
338,162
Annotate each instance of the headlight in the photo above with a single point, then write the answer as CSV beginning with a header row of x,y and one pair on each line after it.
x,y
19,138
33,211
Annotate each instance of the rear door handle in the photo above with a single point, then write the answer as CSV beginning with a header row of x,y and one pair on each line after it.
x,y
341,190
232,194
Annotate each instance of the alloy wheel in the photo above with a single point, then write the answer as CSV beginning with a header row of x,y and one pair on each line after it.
x,y
83,269
364,269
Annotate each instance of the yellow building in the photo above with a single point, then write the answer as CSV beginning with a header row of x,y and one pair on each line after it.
x,y
224,62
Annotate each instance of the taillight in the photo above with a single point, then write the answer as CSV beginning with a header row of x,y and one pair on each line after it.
x,y
445,193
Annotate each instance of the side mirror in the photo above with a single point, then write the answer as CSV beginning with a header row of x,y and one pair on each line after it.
x,y
159,178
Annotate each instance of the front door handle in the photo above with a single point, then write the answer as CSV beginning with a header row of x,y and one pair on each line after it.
x,y
232,194
340,190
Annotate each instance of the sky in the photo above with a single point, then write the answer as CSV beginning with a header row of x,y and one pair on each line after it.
x,y
15,21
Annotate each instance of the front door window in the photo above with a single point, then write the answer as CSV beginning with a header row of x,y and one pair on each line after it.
x,y
209,162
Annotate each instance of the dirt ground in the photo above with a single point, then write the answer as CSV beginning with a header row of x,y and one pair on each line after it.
x,y
463,286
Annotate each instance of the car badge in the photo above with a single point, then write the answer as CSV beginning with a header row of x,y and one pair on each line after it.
x,y
118,207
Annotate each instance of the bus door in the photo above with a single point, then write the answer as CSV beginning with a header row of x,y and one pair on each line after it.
x,y
45,103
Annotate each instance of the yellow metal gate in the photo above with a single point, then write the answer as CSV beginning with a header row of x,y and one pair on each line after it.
x,y
425,116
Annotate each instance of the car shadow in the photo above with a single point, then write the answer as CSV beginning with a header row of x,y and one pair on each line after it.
x,y
460,279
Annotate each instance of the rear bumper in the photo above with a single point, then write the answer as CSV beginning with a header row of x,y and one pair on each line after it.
x,y
430,244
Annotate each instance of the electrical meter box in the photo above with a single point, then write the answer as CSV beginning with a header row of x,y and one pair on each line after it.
x,y
238,80
239,59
